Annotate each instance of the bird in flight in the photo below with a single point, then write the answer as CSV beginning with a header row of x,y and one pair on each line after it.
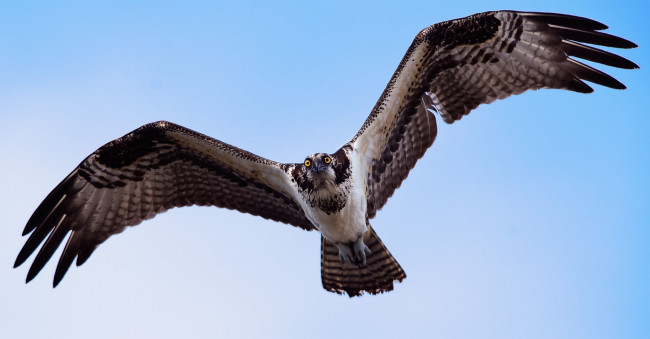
x,y
450,68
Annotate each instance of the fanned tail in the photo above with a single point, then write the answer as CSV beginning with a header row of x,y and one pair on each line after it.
x,y
375,277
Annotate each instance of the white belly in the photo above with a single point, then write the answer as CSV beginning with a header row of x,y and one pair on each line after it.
x,y
349,223
346,225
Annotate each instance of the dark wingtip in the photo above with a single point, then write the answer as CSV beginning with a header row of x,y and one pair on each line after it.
x,y
591,53
630,65
26,251
83,255
615,84
579,29
68,256
588,73
31,274
19,261
44,255
592,37
566,20
579,86
624,43
50,203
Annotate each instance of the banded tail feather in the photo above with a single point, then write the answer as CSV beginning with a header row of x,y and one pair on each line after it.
x,y
375,277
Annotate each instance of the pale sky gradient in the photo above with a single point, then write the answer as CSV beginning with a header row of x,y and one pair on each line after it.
x,y
527,219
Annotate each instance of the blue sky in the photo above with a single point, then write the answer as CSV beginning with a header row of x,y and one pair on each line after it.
x,y
527,219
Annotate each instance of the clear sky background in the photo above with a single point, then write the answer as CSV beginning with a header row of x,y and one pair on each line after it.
x,y
527,219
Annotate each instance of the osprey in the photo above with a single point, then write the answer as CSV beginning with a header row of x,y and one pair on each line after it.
x,y
450,68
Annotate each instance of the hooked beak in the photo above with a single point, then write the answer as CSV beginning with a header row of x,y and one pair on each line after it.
x,y
318,166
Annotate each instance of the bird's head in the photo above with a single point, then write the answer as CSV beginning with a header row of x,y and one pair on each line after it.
x,y
323,173
319,168
319,163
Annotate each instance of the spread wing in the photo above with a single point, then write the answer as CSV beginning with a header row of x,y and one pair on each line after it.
x,y
454,66
148,171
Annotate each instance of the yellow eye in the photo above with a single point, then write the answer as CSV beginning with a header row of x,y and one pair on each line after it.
x,y
327,160
307,163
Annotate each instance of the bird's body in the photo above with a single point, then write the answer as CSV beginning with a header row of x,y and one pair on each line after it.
x,y
450,68
331,198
